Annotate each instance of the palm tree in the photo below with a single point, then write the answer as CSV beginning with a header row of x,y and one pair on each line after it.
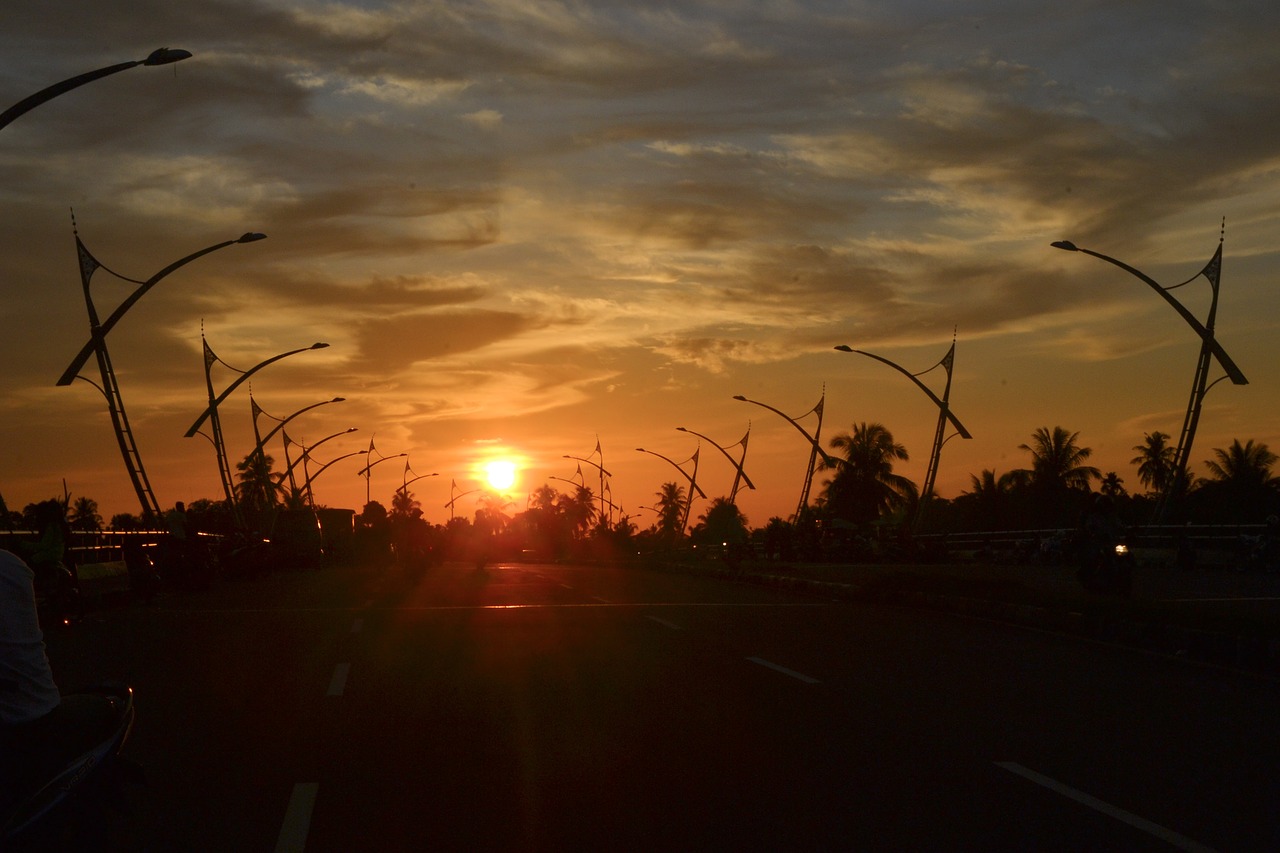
x,y
988,498
1155,461
1241,486
864,487
259,489
578,509
403,505
1112,485
1057,461
723,522
670,511
84,514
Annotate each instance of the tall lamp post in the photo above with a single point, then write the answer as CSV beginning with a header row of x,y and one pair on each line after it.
x,y
814,444
367,470
306,486
692,478
261,440
600,466
408,481
97,346
453,498
944,415
162,56
306,451
211,412
741,475
1209,350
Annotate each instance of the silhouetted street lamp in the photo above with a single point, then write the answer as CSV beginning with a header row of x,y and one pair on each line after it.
x,y
741,475
306,451
692,478
163,56
97,346
261,440
404,487
1209,350
211,412
814,443
944,415
306,486
367,470
453,499
599,465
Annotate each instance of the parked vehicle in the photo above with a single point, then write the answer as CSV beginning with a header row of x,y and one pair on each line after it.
x,y
297,539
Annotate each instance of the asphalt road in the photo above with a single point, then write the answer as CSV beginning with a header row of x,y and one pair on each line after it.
x,y
548,707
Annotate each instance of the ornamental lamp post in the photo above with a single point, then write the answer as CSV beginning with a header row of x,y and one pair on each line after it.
x,y
211,412
741,475
814,444
306,450
1210,349
96,346
944,416
692,478
162,56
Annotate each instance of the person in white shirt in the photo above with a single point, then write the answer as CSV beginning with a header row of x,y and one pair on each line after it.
x,y
27,689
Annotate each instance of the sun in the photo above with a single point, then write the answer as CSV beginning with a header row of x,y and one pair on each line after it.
x,y
501,474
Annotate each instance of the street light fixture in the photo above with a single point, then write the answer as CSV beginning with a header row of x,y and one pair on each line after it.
x,y
692,478
599,465
211,412
1209,350
404,487
944,415
258,410
97,346
367,470
814,443
741,475
306,486
453,499
306,451
162,56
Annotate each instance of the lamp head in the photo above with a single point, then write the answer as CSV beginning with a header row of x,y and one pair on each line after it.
x,y
642,450
1066,245
845,348
739,397
318,345
251,237
681,429
338,400
165,56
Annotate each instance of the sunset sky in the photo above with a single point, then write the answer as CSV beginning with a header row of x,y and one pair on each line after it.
x,y
525,227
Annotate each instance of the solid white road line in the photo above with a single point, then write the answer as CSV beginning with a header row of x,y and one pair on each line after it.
x,y
339,681
782,669
1167,835
297,818
664,623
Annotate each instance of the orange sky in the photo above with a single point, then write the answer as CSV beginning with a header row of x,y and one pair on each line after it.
x,y
523,229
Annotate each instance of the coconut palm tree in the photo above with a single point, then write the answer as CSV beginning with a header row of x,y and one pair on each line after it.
x,y
864,486
670,511
1155,461
84,514
1241,486
1057,461
723,522
259,489
578,510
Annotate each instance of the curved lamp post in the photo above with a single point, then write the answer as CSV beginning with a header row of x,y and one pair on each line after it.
x,y
97,346
258,410
306,486
1209,350
741,475
367,470
814,443
692,478
453,499
289,466
411,480
163,56
944,415
600,466
211,413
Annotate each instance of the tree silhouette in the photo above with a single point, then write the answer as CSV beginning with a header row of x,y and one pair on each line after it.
x,y
864,487
84,514
1057,461
1155,461
723,522
259,490
670,505
1241,486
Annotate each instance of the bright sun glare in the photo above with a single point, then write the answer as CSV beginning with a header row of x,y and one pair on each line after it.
x,y
501,474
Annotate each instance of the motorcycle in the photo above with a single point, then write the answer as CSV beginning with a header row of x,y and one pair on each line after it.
x,y
1108,569
92,769
58,599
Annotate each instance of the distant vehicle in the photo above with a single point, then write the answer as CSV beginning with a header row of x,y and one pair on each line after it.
x,y
297,539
